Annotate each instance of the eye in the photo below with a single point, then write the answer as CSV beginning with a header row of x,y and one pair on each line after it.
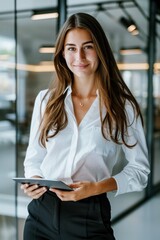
x,y
71,48
88,47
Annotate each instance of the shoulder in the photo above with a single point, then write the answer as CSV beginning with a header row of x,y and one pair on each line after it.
x,y
134,118
42,95
129,108
131,112
42,99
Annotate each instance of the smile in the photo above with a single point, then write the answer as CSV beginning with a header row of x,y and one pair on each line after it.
x,y
81,65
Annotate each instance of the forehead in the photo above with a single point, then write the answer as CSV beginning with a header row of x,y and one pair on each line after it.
x,y
77,35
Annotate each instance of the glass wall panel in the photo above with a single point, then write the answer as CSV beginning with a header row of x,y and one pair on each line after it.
x,y
7,122
34,73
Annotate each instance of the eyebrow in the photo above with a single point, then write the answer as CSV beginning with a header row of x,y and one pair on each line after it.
x,y
72,44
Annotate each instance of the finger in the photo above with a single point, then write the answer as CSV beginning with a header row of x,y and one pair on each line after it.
x,y
31,188
75,185
37,192
58,192
37,196
65,195
61,194
23,186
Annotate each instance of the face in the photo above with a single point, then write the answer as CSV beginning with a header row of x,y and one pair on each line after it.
x,y
79,53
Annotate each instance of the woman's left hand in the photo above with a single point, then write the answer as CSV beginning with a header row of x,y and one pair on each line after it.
x,y
81,190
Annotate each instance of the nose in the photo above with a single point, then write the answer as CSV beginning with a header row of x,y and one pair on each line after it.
x,y
80,54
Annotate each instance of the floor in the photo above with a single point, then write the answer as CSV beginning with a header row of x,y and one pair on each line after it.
x,y
142,224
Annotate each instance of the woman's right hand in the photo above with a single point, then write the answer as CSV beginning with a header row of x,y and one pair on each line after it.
x,y
33,191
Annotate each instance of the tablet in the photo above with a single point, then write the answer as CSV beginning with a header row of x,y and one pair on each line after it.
x,y
43,183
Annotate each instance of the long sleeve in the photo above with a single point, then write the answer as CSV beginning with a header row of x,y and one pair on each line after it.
x,y
134,176
35,152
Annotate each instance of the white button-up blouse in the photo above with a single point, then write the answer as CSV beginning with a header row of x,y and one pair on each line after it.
x,y
80,153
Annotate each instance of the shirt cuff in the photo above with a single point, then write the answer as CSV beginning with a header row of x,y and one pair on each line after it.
x,y
122,183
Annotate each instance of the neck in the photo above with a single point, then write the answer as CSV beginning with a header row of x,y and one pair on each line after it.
x,y
84,93
84,89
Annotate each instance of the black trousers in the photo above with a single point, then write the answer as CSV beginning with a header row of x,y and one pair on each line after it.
x,y
52,219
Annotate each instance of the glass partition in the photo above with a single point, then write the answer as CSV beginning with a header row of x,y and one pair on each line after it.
x,y
34,73
7,122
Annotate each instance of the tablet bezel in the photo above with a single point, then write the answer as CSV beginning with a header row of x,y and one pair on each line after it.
x,y
44,183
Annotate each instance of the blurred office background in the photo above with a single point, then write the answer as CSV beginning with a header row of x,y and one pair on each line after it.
x,y
26,54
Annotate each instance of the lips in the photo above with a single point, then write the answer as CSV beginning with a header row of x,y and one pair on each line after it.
x,y
81,65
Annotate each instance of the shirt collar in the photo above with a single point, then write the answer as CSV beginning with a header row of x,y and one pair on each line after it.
x,y
68,90
97,92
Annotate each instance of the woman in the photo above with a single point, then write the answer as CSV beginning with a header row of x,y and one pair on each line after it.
x,y
78,128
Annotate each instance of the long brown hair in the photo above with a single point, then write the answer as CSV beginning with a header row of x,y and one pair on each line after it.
x,y
113,91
